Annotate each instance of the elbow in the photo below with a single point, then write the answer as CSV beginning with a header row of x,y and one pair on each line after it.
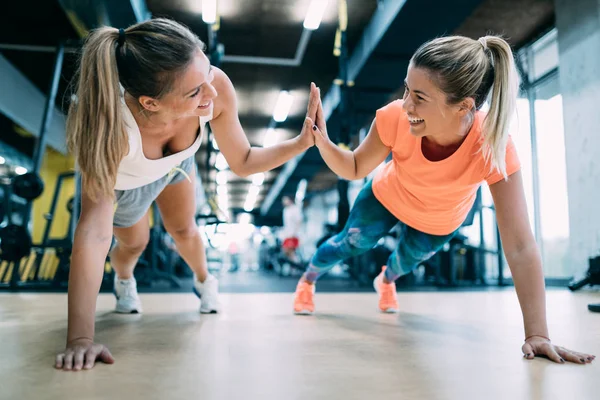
x,y
242,168
357,174
240,171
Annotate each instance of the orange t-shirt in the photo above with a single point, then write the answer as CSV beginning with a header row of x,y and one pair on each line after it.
x,y
432,196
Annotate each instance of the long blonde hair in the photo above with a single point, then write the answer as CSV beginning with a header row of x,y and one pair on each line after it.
x,y
145,59
463,67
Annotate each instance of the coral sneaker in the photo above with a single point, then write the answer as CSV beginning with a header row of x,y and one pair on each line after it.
x,y
388,300
304,299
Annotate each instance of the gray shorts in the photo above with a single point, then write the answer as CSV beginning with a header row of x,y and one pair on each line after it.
x,y
132,205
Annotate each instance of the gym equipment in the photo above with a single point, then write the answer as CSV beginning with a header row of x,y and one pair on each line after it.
x,y
15,242
592,277
37,265
28,186
594,307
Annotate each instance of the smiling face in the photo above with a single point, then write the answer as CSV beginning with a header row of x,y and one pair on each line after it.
x,y
426,106
192,92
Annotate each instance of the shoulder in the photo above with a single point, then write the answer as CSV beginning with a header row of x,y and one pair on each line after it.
x,y
389,121
390,115
226,97
393,109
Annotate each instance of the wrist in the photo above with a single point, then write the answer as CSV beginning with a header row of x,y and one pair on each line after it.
x,y
300,145
79,339
537,336
325,145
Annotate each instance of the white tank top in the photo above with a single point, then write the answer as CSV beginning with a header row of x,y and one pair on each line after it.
x,y
135,170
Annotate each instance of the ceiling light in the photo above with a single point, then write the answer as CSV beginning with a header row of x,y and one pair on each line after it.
x,y
2,160
209,11
253,191
314,14
222,178
20,170
222,190
244,218
270,138
282,108
258,179
221,162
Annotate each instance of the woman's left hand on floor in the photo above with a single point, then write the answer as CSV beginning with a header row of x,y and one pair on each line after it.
x,y
538,346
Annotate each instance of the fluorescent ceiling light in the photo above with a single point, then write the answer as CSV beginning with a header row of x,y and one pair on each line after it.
x,y
209,11
221,162
282,108
221,177
244,219
222,190
314,15
258,179
270,138
249,204
253,191
301,190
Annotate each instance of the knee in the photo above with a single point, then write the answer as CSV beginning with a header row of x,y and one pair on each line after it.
x,y
184,232
134,247
358,239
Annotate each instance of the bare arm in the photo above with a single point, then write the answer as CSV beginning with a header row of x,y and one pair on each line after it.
x,y
357,164
242,158
521,252
93,237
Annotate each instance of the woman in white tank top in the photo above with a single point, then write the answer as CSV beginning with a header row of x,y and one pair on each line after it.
x,y
144,95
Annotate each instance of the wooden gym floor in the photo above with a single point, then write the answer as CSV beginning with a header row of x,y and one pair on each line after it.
x,y
443,345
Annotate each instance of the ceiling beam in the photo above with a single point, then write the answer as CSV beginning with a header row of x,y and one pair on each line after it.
x,y
24,103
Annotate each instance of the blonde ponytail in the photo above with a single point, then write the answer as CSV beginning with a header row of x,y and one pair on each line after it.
x,y
95,128
503,100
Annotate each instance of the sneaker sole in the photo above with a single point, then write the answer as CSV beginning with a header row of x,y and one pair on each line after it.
x,y
121,310
303,312
127,311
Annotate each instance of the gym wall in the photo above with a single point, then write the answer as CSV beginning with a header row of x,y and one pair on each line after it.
x,y
53,164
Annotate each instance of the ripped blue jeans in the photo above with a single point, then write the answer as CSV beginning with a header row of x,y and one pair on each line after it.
x,y
368,222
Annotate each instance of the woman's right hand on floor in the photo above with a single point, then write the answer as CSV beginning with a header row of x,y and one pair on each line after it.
x,y
82,354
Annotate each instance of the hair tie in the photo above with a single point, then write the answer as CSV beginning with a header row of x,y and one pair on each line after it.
x,y
483,42
121,36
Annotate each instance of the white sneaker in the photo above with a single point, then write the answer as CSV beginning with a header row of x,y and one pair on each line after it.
x,y
128,301
208,293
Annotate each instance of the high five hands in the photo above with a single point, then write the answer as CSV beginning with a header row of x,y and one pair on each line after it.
x,y
314,123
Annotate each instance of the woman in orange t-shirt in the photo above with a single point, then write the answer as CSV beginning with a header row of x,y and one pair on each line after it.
x,y
443,148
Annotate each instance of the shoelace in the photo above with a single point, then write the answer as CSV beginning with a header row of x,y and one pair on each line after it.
x,y
128,291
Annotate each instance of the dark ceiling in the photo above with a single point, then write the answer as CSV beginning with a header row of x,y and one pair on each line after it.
x,y
273,28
